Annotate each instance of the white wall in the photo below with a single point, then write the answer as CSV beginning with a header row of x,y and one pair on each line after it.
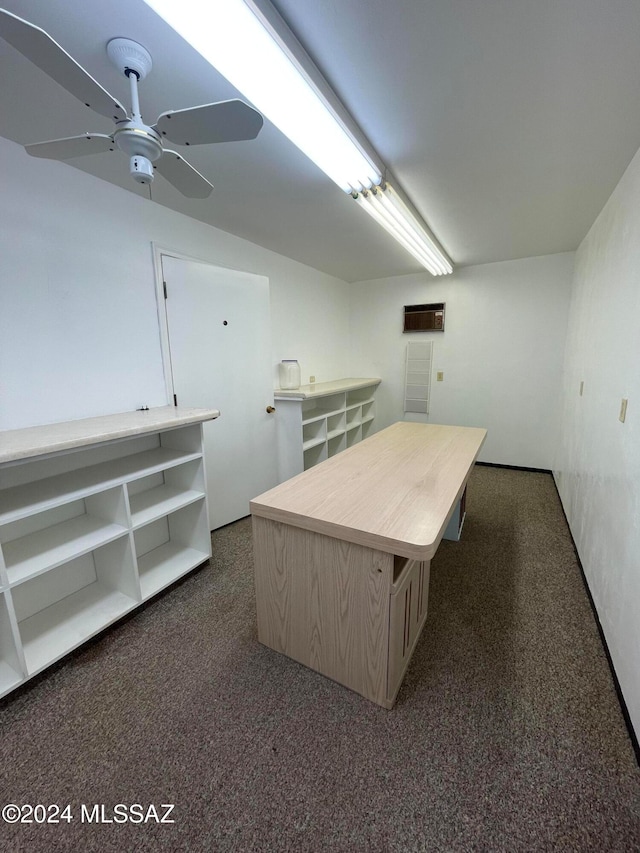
x,y
501,351
78,317
598,462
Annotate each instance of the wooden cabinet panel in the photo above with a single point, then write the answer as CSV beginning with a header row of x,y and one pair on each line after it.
x,y
407,614
325,603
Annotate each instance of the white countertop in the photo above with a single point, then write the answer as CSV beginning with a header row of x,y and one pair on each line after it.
x,y
322,389
51,438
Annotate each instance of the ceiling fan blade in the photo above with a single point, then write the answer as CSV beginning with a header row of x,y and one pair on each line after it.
x,y
72,146
182,175
225,121
47,54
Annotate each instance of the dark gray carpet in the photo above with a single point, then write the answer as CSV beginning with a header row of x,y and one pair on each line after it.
x,y
507,734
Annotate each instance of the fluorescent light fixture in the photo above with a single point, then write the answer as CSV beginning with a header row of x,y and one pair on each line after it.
x,y
249,43
252,47
385,206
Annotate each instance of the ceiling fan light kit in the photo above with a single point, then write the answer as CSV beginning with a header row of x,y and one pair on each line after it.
x,y
226,121
251,45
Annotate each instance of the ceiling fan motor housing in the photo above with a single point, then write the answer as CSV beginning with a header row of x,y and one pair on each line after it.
x,y
134,137
143,146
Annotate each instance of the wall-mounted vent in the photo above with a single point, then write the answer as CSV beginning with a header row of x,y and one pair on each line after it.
x,y
424,318
417,376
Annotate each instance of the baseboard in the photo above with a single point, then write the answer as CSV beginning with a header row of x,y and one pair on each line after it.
x,y
623,705
515,467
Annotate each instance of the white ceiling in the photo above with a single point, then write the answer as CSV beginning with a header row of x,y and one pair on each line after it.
x,y
507,122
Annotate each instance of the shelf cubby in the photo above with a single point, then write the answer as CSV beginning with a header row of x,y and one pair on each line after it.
x,y
314,433
358,396
60,609
170,546
353,417
354,435
336,444
322,407
10,666
38,543
336,425
366,428
368,411
314,455
159,494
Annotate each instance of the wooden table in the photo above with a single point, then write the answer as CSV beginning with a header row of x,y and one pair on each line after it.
x,y
343,550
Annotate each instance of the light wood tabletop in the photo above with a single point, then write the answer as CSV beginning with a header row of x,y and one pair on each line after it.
x,y
393,492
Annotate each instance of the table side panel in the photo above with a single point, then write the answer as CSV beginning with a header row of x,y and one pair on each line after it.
x,y
325,603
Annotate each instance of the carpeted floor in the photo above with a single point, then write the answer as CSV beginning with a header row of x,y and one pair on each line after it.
x,y
507,734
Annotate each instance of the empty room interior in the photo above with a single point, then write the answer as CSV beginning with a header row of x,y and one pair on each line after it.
x,y
320,425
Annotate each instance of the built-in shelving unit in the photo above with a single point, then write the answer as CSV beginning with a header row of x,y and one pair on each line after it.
x,y
317,421
92,527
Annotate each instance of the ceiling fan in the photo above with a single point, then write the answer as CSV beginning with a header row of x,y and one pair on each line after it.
x,y
225,121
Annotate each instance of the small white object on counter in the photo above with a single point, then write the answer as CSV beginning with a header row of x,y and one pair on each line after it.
x,y
289,373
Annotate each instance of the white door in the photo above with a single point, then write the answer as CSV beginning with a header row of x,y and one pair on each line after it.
x,y
219,333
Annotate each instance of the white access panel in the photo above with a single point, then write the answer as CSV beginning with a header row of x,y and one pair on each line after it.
x,y
417,384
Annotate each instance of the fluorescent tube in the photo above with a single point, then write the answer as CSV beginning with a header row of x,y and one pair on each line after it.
x,y
237,39
387,208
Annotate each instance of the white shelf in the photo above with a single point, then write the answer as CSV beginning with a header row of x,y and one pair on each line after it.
x,y
313,442
334,433
31,498
319,414
154,503
59,628
163,565
87,531
315,423
9,678
29,556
